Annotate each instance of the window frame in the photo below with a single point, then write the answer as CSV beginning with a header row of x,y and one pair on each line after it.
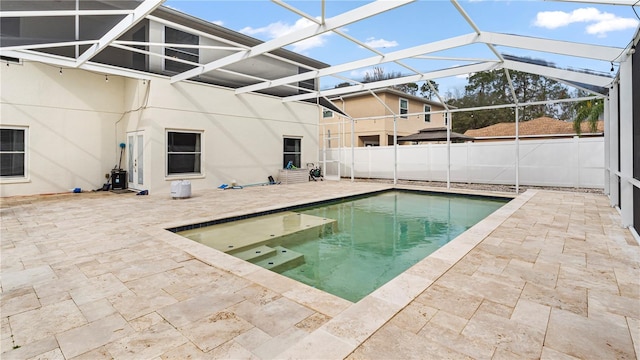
x,y
427,117
25,170
200,154
285,153
188,54
403,112
327,111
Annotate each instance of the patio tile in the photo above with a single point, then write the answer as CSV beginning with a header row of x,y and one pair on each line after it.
x,y
274,317
93,335
588,338
358,322
100,353
147,344
551,255
17,301
413,317
33,349
232,350
453,340
252,339
317,300
45,321
188,351
320,343
214,330
100,287
380,347
54,354
604,303
196,308
27,277
515,337
572,299
447,298
551,354
97,309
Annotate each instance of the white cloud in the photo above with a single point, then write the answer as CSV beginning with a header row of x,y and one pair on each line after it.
x,y
218,22
278,29
380,43
602,22
601,28
359,74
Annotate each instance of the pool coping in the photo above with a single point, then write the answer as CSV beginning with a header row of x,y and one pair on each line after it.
x,y
353,323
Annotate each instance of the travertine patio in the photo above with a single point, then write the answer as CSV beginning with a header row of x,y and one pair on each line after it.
x,y
95,276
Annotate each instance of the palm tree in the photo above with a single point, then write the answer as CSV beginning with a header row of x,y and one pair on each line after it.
x,y
589,110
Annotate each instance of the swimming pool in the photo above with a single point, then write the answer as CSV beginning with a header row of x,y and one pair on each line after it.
x,y
350,247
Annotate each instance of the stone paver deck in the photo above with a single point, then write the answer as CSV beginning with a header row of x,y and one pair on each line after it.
x,y
95,276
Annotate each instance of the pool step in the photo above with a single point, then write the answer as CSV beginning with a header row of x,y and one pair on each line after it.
x,y
284,259
280,228
256,254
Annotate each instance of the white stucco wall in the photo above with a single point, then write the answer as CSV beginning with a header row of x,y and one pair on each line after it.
x,y
76,121
242,135
70,122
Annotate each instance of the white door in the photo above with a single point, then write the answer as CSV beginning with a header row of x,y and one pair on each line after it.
x,y
135,156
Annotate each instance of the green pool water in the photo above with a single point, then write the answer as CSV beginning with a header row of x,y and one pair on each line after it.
x,y
381,236
350,247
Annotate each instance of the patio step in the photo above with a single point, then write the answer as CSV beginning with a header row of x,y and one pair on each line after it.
x,y
256,254
284,259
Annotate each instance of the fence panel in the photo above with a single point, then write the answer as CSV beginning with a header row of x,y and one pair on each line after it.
x,y
575,162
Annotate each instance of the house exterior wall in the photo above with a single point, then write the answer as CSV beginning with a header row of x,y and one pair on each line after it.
x,y
70,121
367,106
76,121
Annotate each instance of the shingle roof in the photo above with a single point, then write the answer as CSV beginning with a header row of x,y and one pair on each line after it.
x,y
434,134
539,126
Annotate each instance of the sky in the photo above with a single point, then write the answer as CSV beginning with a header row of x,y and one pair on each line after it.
x,y
424,22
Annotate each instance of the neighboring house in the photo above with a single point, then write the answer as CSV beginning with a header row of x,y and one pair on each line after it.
x,y
433,135
62,127
374,118
540,128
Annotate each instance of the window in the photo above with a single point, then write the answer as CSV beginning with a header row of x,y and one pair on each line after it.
x,y
446,117
173,36
13,152
184,153
327,114
292,152
404,108
427,117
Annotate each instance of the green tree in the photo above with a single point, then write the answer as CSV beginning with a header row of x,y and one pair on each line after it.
x,y
589,110
378,74
492,88
426,92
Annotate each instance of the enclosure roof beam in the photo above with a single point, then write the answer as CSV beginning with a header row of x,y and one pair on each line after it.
x,y
336,22
597,52
49,45
475,27
62,61
144,9
511,87
460,70
372,61
52,13
551,72
604,2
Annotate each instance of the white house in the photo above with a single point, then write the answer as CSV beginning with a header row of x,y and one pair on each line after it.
x,y
62,127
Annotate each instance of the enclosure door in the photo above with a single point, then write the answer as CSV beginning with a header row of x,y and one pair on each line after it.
x,y
135,156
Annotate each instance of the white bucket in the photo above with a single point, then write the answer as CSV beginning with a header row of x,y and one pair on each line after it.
x,y
181,189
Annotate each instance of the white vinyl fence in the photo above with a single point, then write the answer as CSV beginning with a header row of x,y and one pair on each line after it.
x,y
574,162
